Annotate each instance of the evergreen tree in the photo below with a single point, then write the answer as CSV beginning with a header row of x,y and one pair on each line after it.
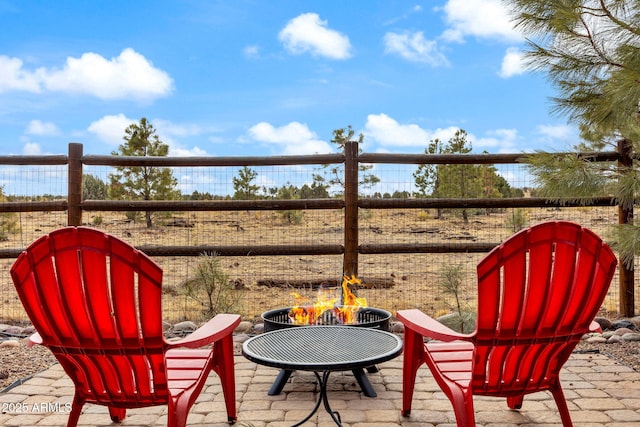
x,y
459,180
93,188
590,51
143,182
243,184
336,172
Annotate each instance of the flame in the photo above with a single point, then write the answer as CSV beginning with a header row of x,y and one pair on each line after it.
x,y
345,311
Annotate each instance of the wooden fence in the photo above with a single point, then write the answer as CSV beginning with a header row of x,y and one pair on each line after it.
x,y
351,202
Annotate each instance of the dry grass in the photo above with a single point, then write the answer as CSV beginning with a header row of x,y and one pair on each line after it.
x,y
415,276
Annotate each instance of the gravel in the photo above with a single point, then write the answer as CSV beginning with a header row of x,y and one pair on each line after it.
x,y
21,362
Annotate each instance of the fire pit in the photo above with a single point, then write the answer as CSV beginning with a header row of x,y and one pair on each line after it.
x,y
366,317
327,311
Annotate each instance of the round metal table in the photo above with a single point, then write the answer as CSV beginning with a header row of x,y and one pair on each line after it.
x,y
322,349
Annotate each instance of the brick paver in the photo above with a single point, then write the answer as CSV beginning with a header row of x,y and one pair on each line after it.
x,y
600,392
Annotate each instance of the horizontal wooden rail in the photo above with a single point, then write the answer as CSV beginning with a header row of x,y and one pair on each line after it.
x,y
530,202
430,248
245,250
456,159
211,205
59,159
319,159
45,206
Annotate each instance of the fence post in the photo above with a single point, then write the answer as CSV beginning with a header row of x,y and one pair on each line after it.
x,y
625,216
74,196
350,261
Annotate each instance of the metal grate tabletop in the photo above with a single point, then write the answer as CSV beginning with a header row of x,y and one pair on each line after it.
x,y
322,348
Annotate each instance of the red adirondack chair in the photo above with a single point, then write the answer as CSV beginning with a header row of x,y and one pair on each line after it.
x,y
538,293
95,302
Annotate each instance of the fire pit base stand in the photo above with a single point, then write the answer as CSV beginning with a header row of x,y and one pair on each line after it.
x,y
359,374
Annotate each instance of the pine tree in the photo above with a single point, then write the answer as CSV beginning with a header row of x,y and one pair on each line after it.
x,y
143,182
336,172
590,51
243,184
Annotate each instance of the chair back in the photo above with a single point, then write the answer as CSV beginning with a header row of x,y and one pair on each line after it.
x,y
96,303
538,293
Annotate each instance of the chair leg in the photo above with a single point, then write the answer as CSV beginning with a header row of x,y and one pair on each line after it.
x,y
224,367
515,402
561,402
76,409
462,402
177,412
413,358
117,414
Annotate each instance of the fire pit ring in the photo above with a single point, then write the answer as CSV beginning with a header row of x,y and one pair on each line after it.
x,y
367,317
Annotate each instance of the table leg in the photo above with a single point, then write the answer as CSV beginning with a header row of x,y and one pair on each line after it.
x,y
280,382
361,377
365,384
322,399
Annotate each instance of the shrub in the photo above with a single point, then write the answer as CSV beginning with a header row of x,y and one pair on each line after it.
x,y
517,220
212,288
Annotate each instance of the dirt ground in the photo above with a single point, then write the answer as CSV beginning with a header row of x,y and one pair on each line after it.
x,y
416,278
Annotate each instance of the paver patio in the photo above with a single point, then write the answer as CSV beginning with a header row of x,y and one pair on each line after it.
x,y
600,392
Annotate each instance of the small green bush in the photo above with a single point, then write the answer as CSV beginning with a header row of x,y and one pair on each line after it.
x,y
212,288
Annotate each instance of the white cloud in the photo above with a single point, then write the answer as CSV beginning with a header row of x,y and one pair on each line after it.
x,y
31,149
414,47
513,63
496,141
110,129
478,18
13,77
178,151
562,133
295,138
40,128
128,76
388,132
307,33
251,52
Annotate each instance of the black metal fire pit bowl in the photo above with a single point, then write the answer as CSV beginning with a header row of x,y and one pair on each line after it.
x,y
367,317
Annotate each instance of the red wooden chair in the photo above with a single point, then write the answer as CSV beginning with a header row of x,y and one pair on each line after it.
x,y
538,293
95,302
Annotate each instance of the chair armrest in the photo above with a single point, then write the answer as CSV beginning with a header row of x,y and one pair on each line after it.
x,y
212,331
595,327
424,325
34,339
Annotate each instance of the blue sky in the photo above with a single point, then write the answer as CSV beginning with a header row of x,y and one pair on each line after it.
x,y
233,78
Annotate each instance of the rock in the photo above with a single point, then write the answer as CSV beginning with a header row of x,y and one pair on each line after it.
x,y
631,337
14,330
454,321
636,321
622,331
4,327
258,328
240,338
10,343
29,330
614,339
604,323
184,327
397,327
619,324
596,339
166,326
243,327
